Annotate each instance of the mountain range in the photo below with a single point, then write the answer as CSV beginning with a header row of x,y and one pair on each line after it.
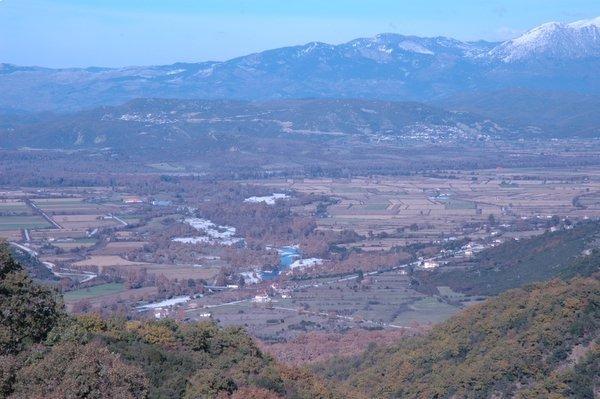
x,y
553,57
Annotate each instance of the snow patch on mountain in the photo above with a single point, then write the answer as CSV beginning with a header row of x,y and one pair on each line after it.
x,y
175,72
413,47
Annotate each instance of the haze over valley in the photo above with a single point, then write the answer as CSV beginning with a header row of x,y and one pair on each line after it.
x,y
390,217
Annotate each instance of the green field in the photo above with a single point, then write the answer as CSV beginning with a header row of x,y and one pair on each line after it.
x,y
131,218
22,222
14,208
52,204
166,167
426,310
449,293
94,292
77,242
375,207
71,206
460,204
57,201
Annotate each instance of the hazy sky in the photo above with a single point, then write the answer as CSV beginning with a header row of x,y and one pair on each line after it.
x,y
60,33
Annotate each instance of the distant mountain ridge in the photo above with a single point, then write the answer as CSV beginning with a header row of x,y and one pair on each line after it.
x,y
565,114
155,124
552,57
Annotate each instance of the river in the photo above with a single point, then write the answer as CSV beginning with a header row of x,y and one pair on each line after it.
x,y
287,256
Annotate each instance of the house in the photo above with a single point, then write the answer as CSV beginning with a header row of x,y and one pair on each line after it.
x,y
132,200
261,299
430,264
161,203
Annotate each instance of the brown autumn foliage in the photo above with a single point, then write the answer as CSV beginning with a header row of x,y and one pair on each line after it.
x,y
355,261
315,346
76,371
254,393
519,344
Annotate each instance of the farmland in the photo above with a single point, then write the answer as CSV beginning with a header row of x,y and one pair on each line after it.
x,y
116,262
427,208
8,223
93,292
106,294
15,214
14,207
359,243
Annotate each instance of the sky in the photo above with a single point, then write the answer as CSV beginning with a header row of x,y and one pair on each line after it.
x,y
113,33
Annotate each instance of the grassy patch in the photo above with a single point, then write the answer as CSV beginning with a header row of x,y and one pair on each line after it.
x,y
22,222
14,207
166,167
449,293
426,310
460,204
93,292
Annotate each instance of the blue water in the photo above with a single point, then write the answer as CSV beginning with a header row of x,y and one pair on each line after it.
x,y
287,256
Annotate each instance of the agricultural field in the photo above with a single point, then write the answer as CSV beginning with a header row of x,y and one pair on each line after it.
x,y
120,247
14,207
72,243
16,215
77,213
166,167
384,300
93,292
111,293
84,222
70,213
428,208
382,227
46,215
8,223
69,205
103,262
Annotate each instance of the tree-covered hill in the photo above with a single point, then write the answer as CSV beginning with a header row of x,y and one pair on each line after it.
x,y
539,341
563,253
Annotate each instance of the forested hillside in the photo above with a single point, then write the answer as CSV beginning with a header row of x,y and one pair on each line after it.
x,y
44,353
563,253
540,341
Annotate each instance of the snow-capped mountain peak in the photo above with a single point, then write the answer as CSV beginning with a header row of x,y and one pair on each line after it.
x,y
387,66
553,40
586,23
